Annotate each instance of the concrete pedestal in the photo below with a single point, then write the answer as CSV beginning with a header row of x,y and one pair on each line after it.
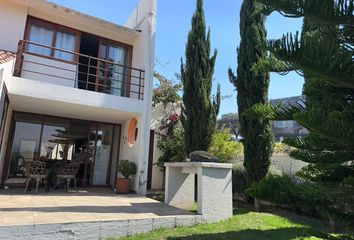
x,y
214,188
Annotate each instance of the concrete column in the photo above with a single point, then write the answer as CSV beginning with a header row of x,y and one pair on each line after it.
x,y
179,189
215,193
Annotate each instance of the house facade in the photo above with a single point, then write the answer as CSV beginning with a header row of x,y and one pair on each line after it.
x,y
75,88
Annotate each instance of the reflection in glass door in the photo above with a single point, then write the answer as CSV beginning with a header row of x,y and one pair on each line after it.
x,y
104,136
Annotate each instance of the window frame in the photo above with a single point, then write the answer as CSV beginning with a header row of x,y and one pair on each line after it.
x,y
55,28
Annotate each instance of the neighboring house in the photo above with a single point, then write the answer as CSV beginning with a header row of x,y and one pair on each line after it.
x,y
288,129
71,84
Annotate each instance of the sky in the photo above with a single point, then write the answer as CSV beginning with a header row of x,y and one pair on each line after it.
x,y
173,25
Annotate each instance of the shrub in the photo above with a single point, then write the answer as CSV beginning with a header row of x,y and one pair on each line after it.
x,y
335,202
281,148
239,179
223,147
127,168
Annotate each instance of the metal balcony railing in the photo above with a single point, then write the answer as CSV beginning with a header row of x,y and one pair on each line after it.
x,y
82,71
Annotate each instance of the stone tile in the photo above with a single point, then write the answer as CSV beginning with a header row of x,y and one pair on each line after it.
x,y
185,221
137,226
82,230
114,229
164,222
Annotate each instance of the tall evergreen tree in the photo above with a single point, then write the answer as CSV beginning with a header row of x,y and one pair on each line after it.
x,y
199,112
252,88
324,55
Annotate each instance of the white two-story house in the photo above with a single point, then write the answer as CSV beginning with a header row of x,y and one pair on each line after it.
x,y
75,88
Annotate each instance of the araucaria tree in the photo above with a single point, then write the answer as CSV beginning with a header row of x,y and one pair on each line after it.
x,y
199,112
324,55
252,88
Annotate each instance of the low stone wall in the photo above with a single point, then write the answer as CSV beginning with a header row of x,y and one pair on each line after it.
x,y
96,230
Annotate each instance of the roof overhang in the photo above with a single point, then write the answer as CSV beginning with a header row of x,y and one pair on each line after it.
x,y
81,21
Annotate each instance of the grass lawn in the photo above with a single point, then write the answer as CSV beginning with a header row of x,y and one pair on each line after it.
x,y
247,225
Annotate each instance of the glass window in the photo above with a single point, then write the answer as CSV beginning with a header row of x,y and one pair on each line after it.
x,y
41,34
51,35
114,76
65,41
25,144
54,139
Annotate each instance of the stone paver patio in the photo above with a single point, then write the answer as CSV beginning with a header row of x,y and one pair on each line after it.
x,y
63,214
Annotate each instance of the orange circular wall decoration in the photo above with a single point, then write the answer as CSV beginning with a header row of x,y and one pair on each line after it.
x,y
132,132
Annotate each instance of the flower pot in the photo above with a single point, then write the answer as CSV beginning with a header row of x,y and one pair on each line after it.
x,y
123,185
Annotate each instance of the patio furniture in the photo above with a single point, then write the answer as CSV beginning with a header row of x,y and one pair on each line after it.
x,y
69,172
36,170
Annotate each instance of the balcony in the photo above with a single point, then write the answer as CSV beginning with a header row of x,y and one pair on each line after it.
x,y
34,61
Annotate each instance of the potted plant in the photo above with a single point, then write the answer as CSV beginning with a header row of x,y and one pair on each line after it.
x,y
127,169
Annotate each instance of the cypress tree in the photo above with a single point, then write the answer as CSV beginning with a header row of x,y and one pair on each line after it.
x,y
252,88
200,112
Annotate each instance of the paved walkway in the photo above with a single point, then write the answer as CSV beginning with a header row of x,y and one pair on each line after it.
x,y
82,206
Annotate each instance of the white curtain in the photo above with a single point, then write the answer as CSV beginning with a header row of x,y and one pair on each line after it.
x,y
117,55
67,42
41,35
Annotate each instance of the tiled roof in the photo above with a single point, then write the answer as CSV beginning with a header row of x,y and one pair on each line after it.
x,y
6,56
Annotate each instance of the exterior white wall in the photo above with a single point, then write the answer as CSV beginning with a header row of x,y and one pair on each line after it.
x,y
12,24
50,71
143,19
132,153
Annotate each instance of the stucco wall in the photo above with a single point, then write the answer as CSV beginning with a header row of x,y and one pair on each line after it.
x,y
143,19
12,24
132,153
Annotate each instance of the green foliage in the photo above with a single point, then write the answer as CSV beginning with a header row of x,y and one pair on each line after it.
x,y
325,200
252,88
199,111
172,146
127,168
167,91
281,148
323,54
334,174
230,121
239,179
223,147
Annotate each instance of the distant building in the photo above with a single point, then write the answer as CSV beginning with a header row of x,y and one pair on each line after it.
x,y
288,129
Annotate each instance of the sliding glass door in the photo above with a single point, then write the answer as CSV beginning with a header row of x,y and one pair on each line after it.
x,y
59,141
104,137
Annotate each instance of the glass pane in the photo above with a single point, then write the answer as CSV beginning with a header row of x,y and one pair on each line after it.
x,y
25,145
54,140
65,41
78,151
40,34
103,152
102,69
116,77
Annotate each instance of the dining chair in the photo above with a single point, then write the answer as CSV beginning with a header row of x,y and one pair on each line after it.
x,y
68,173
36,170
